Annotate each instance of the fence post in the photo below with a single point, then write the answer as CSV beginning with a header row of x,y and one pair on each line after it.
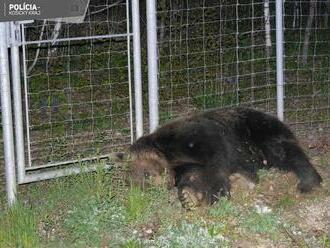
x,y
16,82
129,72
279,60
6,111
137,68
152,65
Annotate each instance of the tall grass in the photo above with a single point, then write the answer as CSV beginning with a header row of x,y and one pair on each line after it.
x,y
136,203
18,227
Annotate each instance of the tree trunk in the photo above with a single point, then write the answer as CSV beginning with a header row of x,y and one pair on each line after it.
x,y
267,28
295,15
308,30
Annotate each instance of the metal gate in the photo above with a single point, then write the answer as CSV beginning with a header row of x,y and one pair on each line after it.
x,y
75,101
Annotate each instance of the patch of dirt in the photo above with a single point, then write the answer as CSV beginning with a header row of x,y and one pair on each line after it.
x,y
305,217
148,230
317,142
316,216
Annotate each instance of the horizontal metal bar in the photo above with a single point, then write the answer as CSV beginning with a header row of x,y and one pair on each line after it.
x,y
74,161
106,36
29,178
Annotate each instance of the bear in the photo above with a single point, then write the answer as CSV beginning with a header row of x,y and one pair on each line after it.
x,y
199,152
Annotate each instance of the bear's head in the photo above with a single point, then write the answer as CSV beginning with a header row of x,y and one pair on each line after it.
x,y
148,167
148,164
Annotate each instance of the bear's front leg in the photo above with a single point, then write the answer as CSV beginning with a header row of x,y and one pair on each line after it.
x,y
197,187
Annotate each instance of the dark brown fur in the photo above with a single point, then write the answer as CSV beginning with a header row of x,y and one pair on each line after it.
x,y
148,163
217,143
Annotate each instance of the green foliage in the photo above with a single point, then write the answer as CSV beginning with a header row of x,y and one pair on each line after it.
x,y
213,101
18,227
325,161
216,229
132,244
86,210
87,222
263,173
95,210
136,203
166,116
260,223
189,235
284,201
223,208
83,207
324,240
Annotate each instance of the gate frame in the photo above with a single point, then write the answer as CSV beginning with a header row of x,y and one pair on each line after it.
x,y
16,38
7,120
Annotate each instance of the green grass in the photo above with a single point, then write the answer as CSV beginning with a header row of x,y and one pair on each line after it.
x,y
212,101
84,210
132,244
92,210
263,173
246,217
189,235
223,208
325,161
284,202
79,207
324,240
260,223
18,227
166,116
89,222
136,203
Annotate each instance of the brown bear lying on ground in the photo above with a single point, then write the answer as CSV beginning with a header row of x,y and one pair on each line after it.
x,y
200,152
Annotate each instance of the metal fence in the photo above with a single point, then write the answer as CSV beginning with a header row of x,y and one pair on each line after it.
x,y
78,92
223,53
73,90
216,54
79,102
307,64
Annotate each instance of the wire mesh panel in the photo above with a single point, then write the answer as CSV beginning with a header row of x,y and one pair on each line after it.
x,y
307,71
216,54
78,85
222,53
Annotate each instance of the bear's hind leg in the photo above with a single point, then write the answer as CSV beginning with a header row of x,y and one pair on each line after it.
x,y
306,173
288,155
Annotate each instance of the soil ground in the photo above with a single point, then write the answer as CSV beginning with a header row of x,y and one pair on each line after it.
x,y
101,210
